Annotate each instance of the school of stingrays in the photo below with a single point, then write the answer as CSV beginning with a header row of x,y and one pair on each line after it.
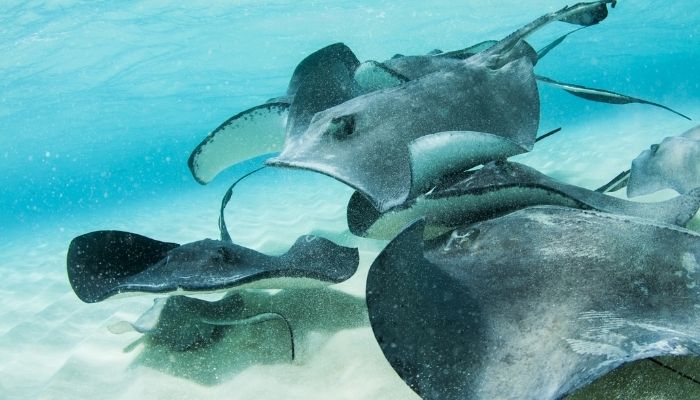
x,y
497,281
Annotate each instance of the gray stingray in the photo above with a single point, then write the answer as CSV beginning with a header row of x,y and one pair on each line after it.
x,y
104,263
499,188
184,323
535,304
672,164
393,144
321,80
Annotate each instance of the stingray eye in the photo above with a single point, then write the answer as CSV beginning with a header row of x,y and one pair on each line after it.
x,y
341,127
654,148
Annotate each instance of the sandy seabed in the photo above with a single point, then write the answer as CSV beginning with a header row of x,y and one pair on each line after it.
x,y
53,346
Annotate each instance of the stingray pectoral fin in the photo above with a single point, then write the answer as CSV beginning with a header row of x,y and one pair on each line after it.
x,y
602,96
98,261
401,293
258,130
434,156
319,258
372,75
590,15
361,214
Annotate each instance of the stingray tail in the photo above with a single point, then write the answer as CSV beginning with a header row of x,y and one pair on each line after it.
x,y
616,183
546,49
223,230
98,261
602,96
548,134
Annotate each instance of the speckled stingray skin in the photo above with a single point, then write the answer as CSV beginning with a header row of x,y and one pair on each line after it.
x,y
535,304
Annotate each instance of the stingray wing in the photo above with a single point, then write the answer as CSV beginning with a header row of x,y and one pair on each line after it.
x,y
258,130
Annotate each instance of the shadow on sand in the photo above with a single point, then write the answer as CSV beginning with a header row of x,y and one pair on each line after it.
x,y
314,315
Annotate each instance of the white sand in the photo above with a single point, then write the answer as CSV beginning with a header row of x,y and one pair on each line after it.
x,y
52,346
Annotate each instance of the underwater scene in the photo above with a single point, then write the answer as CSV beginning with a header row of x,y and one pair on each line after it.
x,y
350,199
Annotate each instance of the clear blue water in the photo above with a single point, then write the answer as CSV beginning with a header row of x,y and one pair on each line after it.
x,y
101,102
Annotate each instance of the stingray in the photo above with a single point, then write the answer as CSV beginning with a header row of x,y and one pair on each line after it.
x,y
105,263
394,144
321,80
183,323
499,188
672,164
534,304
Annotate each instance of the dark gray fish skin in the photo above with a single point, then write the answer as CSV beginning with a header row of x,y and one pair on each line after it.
x,y
535,304
672,164
334,57
322,80
501,187
104,263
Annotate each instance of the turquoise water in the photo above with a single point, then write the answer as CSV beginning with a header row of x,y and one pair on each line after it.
x,y
101,103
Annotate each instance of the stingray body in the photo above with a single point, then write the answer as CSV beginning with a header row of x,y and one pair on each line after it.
x,y
534,304
496,189
104,263
393,144
672,164
380,143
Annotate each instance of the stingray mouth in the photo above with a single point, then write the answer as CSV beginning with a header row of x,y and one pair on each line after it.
x,y
379,202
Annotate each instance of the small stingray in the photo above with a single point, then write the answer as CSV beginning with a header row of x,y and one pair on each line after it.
x,y
184,323
394,144
321,80
499,188
535,304
104,263
672,164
